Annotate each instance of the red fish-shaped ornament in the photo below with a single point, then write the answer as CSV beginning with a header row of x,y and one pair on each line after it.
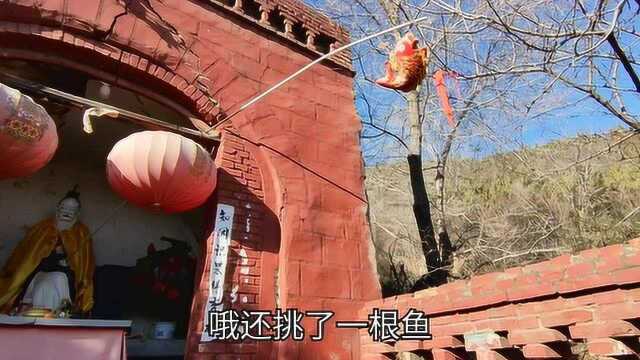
x,y
407,65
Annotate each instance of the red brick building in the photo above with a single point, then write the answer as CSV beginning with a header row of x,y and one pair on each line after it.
x,y
291,168
290,165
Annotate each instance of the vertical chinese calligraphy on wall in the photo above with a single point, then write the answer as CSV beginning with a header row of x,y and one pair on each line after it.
x,y
219,258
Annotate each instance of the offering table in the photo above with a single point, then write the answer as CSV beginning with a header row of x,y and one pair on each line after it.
x,y
27,338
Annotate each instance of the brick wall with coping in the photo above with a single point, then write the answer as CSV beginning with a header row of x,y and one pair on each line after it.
x,y
534,311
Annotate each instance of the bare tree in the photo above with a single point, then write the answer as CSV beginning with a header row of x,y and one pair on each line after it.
x,y
519,61
575,43
412,124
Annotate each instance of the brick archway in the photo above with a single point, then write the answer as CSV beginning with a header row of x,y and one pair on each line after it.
x,y
173,98
41,32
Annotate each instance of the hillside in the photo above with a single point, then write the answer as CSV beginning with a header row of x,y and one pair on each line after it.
x,y
511,209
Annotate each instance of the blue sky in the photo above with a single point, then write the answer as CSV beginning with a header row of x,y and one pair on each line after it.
x,y
583,117
557,127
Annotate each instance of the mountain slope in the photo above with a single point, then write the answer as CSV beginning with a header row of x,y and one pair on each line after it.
x,y
514,208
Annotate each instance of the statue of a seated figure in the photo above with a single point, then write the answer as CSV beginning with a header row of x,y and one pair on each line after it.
x,y
52,265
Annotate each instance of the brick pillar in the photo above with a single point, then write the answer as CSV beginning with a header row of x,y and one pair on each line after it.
x,y
252,261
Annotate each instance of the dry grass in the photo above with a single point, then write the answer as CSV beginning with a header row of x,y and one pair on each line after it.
x,y
512,209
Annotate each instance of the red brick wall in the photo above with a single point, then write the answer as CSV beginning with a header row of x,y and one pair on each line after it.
x,y
535,311
295,156
240,185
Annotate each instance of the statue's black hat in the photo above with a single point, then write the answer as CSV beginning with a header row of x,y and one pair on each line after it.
x,y
72,194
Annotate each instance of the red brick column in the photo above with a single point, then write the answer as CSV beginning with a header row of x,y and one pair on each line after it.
x,y
255,241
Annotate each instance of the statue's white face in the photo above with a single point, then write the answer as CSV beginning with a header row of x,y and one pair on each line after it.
x,y
67,213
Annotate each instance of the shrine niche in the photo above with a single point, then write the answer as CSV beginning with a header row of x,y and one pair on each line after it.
x,y
298,237
73,249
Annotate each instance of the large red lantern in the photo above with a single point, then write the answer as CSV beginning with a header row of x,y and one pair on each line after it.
x,y
160,170
28,136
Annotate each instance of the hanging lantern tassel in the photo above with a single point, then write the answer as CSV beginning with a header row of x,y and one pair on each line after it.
x,y
87,126
439,78
407,65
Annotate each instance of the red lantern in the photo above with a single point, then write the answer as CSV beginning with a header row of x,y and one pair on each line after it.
x,y
407,65
162,171
28,136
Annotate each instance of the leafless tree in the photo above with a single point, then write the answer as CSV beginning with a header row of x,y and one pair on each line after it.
x,y
412,124
518,61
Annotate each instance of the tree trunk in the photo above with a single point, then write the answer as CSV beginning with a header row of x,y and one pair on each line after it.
x,y
445,249
421,206
422,212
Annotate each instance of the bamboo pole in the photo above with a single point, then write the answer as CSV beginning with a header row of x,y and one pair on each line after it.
x,y
85,103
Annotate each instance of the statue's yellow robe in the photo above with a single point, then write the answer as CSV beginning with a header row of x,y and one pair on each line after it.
x,y
40,240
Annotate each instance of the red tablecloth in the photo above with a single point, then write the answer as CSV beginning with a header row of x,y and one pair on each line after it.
x,y
57,343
